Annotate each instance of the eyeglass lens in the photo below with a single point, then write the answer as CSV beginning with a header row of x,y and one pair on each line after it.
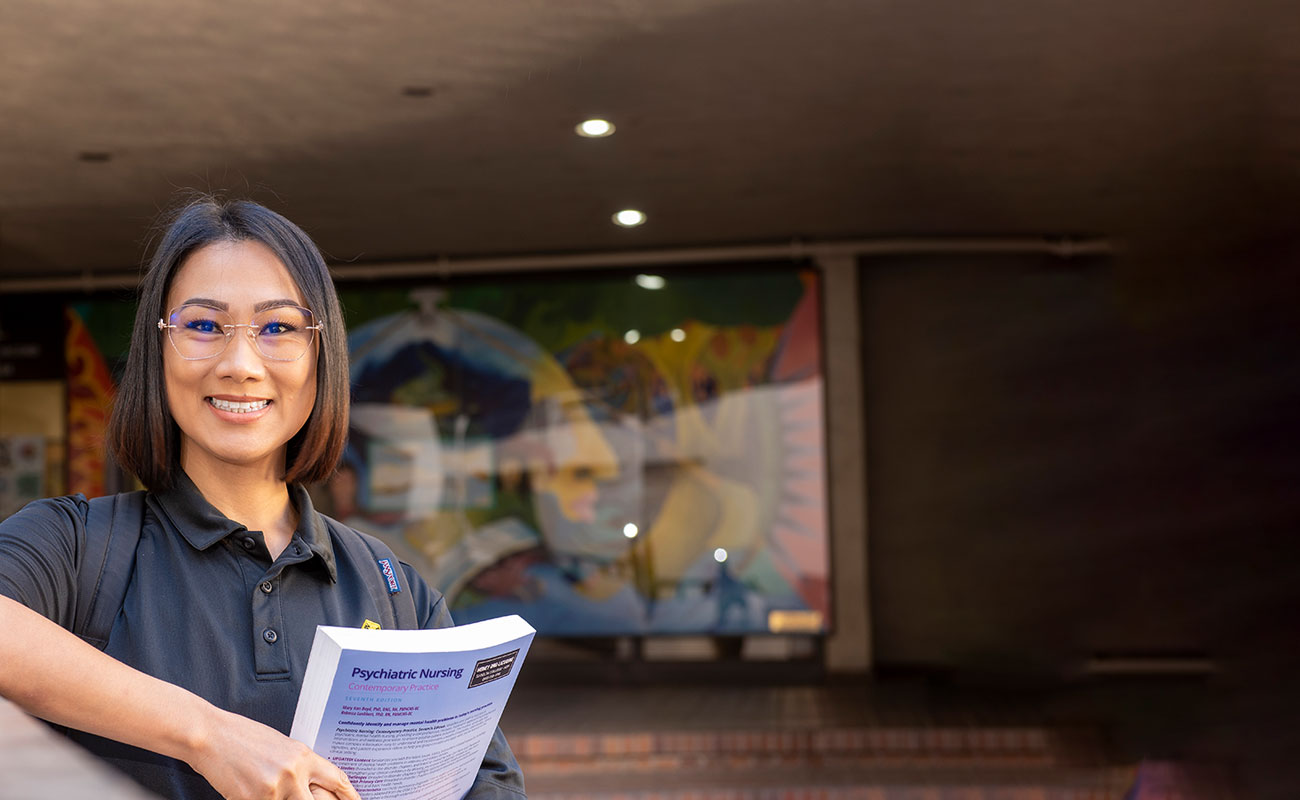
x,y
282,333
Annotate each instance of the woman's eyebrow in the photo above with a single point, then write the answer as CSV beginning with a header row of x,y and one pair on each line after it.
x,y
262,306
205,301
265,304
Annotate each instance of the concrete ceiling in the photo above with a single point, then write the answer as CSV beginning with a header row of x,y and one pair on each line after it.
x,y
739,121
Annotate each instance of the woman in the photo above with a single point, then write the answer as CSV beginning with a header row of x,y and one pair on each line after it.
x,y
235,394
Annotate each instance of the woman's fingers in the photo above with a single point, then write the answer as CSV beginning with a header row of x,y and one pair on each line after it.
x,y
339,786
245,759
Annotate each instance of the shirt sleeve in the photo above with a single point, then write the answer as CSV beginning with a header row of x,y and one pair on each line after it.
x,y
40,550
499,777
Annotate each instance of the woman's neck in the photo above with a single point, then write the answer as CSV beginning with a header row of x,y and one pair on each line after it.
x,y
254,498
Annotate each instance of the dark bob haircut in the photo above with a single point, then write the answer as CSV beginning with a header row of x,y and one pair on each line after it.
x,y
141,432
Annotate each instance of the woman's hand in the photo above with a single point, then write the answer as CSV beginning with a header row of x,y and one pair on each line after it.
x,y
246,760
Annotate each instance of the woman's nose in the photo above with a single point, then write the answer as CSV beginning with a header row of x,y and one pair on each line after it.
x,y
241,359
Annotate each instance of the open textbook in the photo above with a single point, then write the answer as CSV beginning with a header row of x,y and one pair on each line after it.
x,y
408,714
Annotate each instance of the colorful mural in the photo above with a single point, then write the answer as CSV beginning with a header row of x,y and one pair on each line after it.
x,y
97,334
598,457
90,399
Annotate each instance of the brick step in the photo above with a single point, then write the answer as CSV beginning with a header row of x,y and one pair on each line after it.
x,y
852,793
839,782
1022,746
658,764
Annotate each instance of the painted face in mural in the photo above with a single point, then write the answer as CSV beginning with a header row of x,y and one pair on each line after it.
x,y
577,455
237,408
572,473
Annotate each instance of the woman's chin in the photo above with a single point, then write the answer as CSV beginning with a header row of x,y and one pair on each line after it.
x,y
228,460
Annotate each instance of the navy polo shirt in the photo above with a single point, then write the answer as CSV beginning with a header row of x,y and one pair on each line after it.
x,y
209,610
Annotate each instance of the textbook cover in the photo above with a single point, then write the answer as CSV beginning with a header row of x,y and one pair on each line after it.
x,y
408,715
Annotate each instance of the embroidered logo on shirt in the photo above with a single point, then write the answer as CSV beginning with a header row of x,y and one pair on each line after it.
x,y
390,575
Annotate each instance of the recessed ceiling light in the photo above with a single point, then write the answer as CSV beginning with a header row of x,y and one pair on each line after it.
x,y
629,218
677,335
595,128
650,281
632,337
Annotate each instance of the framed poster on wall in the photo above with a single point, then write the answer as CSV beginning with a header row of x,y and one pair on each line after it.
x,y
602,453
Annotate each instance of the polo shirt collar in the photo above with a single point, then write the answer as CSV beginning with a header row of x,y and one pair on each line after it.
x,y
312,529
202,525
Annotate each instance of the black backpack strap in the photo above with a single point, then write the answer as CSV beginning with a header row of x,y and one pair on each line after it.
x,y
113,526
402,600
371,550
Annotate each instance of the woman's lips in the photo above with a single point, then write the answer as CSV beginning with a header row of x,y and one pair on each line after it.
x,y
237,406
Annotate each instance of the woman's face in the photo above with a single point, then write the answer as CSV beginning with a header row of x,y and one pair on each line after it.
x,y
238,408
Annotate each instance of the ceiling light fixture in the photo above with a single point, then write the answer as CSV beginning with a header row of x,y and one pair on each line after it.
x,y
651,282
629,218
677,335
632,337
595,128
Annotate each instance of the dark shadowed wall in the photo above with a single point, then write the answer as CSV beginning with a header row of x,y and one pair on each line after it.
x,y
1066,460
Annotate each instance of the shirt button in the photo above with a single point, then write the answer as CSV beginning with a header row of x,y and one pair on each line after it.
x,y
267,586
248,543
270,635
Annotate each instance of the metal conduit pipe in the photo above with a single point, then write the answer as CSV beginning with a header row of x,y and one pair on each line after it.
x,y
1062,247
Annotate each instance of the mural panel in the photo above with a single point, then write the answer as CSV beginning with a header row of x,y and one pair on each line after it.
x,y
597,456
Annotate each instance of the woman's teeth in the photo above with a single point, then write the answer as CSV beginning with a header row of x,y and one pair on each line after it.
x,y
237,408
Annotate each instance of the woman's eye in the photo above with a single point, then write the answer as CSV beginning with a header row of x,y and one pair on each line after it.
x,y
203,326
276,328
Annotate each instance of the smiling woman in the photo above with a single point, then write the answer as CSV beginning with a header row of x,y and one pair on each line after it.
x,y
235,406
211,248
235,393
